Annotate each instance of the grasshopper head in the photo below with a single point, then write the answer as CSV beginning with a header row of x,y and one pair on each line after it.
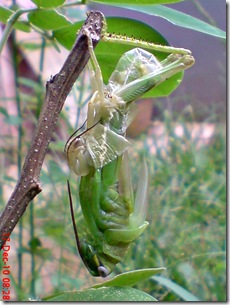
x,y
92,261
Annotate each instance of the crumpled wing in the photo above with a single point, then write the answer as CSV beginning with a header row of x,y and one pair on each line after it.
x,y
104,145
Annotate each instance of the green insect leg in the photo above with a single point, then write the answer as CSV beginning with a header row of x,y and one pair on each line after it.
x,y
136,224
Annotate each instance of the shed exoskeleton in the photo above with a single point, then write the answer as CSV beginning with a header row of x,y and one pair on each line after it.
x,y
112,219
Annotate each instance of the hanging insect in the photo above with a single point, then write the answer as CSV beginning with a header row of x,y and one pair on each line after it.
x,y
112,219
110,110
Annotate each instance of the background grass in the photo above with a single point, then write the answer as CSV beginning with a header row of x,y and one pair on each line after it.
x,y
187,214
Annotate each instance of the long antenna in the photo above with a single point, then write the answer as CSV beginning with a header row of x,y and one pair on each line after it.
x,y
73,137
73,219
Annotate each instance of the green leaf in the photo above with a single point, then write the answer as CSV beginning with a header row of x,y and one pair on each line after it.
x,y
127,27
138,30
48,19
108,54
138,2
130,278
104,294
180,291
48,3
5,14
176,17
67,35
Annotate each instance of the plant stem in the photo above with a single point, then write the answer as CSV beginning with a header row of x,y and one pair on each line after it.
x,y
9,26
57,90
32,227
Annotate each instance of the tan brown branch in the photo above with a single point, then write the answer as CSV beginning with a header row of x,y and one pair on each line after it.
x,y
57,90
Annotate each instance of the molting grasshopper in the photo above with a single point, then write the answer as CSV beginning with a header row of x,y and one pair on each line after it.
x,y
112,219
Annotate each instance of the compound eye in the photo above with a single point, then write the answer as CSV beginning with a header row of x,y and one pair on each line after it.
x,y
103,272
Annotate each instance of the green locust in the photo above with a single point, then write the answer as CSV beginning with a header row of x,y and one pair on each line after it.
x,y
112,218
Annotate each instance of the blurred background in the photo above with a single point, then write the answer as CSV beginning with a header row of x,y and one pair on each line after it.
x,y
182,136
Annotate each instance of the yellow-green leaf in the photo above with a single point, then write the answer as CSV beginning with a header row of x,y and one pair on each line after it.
x,y
48,3
104,294
130,278
6,13
48,19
